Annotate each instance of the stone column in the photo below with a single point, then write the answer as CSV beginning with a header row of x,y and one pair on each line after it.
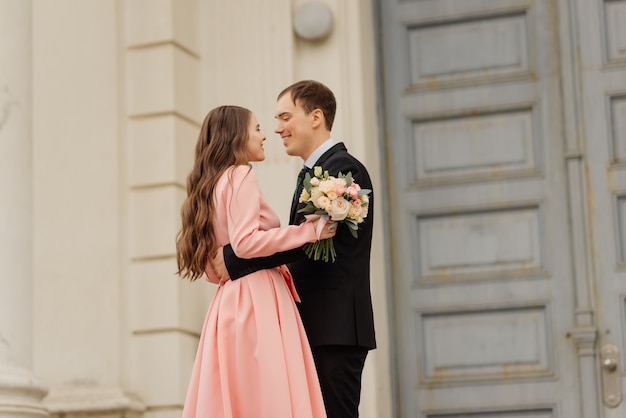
x,y
20,392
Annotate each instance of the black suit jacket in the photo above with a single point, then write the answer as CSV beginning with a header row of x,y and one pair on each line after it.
x,y
336,306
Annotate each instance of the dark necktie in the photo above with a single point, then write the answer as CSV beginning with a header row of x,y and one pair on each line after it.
x,y
296,193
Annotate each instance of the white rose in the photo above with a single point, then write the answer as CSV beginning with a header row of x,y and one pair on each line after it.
x,y
326,186
339,209
323,203
364,211
316,194
354,212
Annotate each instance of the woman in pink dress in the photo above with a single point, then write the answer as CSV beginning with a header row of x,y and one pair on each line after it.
x,y
253,358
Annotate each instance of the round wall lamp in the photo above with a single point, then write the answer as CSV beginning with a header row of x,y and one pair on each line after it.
x,y
313,20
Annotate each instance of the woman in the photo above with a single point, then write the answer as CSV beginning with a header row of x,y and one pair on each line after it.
x,y
253,358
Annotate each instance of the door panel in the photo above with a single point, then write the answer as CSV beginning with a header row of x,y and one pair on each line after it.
x,y
602,55
484,292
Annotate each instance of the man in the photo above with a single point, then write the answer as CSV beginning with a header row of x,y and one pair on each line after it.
x,y
336,306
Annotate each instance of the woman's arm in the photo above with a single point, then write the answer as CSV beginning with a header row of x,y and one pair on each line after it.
x,y
248,240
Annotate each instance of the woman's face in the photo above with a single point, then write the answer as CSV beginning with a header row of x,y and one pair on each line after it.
x,y
255,140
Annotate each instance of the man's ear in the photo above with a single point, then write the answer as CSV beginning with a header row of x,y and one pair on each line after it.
x,y
318,118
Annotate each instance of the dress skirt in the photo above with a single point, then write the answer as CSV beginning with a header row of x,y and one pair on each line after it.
x,y
253,358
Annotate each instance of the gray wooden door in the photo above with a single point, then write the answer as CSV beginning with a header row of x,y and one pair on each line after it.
x,y
505,123
596,82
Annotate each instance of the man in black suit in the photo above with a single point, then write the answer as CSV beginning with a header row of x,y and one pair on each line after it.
x,y
336,306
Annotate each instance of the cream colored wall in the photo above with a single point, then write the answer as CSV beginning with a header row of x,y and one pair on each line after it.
x,y
80,207
120,89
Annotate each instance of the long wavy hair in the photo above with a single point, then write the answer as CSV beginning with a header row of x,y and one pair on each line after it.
x,y
222,143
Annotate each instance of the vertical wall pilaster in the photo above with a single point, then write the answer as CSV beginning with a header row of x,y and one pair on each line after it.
x,y
164,116
20,392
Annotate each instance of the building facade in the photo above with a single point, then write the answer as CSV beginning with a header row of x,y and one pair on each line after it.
x,y
101,107
494,133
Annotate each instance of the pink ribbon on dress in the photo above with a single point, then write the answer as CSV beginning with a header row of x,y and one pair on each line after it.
x,y
284,271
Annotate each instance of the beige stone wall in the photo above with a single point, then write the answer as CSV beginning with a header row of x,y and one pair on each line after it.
x,y
120,89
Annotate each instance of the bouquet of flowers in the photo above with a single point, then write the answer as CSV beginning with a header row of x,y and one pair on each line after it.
x,y
340,199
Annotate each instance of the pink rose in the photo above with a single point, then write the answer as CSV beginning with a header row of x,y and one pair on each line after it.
x,y
340,189
353,192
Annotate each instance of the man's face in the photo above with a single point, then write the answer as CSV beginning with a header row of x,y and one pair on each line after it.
x,y
295,127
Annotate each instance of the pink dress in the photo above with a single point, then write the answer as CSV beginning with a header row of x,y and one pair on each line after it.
x,y
253,359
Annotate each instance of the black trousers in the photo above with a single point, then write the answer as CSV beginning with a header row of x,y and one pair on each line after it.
x,y
339,368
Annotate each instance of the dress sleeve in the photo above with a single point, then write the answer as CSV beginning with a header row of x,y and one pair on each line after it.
x,y
243,203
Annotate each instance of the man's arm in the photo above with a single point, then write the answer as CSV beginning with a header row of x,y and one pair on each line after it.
x,y
239,267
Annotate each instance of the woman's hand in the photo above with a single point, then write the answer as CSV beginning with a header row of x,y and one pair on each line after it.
x,y
324,227
219,267
329,229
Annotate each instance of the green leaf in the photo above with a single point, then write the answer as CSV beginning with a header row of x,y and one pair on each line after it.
x,y
307,182
309,208
352,224
348,179
353,227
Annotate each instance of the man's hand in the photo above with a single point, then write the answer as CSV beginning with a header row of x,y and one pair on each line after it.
x,y
219,267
